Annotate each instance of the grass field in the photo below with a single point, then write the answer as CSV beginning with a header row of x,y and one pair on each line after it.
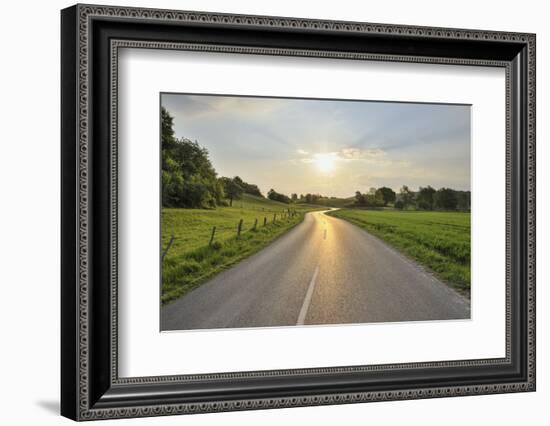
x,y
437,240
191,259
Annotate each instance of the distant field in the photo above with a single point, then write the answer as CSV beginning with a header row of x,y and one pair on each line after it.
x,y
334,202
190,260
438,240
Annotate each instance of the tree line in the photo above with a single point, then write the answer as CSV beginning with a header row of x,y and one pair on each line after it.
x,y
426,198
188,177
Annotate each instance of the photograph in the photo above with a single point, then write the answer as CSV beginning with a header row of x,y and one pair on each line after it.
x,y
297,212
262,209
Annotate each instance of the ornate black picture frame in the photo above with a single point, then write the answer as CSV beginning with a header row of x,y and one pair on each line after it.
x,y
91,36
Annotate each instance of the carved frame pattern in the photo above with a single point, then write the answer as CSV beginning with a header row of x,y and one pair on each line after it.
x,y
85,13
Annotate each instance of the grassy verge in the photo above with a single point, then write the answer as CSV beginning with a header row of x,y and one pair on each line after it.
x,y
437,240
191,259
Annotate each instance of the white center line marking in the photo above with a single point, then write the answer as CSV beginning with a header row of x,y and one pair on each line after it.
x,y
307,299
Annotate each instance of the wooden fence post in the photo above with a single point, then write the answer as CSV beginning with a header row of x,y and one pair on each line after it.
x,y
274,217
239,228
167,247
255,224
265,220
212,236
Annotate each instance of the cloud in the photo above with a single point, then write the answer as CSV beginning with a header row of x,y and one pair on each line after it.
x,y
332,156
208,107
361,154
369,155
291,143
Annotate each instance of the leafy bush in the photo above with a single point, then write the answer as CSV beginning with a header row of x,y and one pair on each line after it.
x,y
188,177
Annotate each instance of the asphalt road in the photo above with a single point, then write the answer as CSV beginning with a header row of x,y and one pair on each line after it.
x,y
324,271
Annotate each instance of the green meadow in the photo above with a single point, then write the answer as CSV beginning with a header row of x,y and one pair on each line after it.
x,y
192,254
438,240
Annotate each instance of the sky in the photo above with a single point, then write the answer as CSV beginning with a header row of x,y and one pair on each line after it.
x,y
331,147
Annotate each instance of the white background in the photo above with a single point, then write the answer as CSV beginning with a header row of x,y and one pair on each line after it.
x,y
146,352
29,225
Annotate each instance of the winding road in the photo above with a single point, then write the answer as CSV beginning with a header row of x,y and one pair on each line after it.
x,y
323,271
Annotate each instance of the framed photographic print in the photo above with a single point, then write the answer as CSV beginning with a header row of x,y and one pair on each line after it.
x,y
263,212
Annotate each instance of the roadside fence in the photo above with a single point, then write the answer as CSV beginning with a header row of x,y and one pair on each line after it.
x,y
225,232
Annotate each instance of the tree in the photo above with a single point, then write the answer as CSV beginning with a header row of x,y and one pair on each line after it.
x,y
188,177
399,205
231,189
375,198
172,183
425,198
445,199
248,188
406,196
275,196
360,199
167,129
294,197
463,200
386,194
369,198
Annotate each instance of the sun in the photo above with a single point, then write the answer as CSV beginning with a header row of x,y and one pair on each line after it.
x,y
324,162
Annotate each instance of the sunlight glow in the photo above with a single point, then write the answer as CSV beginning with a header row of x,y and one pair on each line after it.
x,y
325,162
